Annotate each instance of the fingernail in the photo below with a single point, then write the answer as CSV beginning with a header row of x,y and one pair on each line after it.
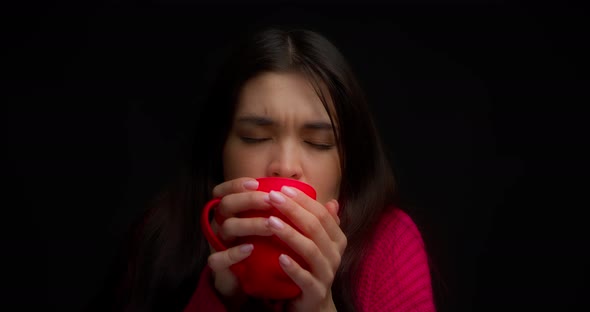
x,y
246,248
251,185
284,260
275,223
276,197
266,198
289,191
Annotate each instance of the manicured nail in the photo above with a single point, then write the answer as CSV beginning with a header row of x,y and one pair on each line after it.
x,y
275,223
289,191
284,260
276,197
251,185
246,248
266,198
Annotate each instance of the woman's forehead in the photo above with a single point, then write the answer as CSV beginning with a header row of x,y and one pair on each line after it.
x,y
278,95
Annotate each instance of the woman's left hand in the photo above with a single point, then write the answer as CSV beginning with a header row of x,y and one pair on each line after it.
x,y
321,244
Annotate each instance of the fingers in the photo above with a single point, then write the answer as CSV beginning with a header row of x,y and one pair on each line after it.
x,y
238,227
233,204
304,279
222,260
321,242
323,263
237,196
308,215
235,186
333,207
225,281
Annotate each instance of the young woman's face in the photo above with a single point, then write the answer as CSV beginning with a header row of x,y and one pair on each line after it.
x,y
281,129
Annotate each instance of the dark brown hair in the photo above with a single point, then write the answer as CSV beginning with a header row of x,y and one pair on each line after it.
x,y
167,252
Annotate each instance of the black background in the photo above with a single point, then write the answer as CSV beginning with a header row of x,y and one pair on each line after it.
x,y
480,105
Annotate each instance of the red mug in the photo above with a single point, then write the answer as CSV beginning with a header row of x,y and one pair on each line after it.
x,y
260,274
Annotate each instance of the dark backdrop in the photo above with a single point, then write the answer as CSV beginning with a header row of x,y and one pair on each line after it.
x,y
480,106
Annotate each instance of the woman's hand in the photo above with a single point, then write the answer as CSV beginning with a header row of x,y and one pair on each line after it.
x,y
321,244
237,195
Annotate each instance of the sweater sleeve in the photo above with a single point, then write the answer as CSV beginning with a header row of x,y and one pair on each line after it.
x,y
205,298
394,276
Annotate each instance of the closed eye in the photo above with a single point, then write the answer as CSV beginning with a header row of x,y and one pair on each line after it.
x,y
253,140
320,146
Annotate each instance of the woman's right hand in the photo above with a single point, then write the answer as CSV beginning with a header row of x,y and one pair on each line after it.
x,y
236,196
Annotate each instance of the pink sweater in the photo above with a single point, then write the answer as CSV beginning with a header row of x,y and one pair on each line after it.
x,y
394,275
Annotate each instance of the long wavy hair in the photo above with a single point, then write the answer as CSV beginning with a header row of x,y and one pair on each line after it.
x,y
166,252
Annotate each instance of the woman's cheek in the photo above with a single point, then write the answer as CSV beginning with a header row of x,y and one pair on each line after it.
x,y
244,162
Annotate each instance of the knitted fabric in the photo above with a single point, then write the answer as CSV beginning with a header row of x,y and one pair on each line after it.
x,y
394,275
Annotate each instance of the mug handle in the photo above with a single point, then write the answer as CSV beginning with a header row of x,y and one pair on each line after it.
x,y
211,237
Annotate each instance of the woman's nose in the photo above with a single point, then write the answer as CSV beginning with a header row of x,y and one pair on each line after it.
x,y
285,163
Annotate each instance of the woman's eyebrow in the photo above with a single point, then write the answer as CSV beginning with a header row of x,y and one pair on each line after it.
x,y
266,121
256,120
318,125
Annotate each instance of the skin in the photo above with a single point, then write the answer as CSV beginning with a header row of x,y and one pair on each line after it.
x,y
281,129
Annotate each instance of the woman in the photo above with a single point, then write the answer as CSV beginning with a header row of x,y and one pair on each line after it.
x,y
285,104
